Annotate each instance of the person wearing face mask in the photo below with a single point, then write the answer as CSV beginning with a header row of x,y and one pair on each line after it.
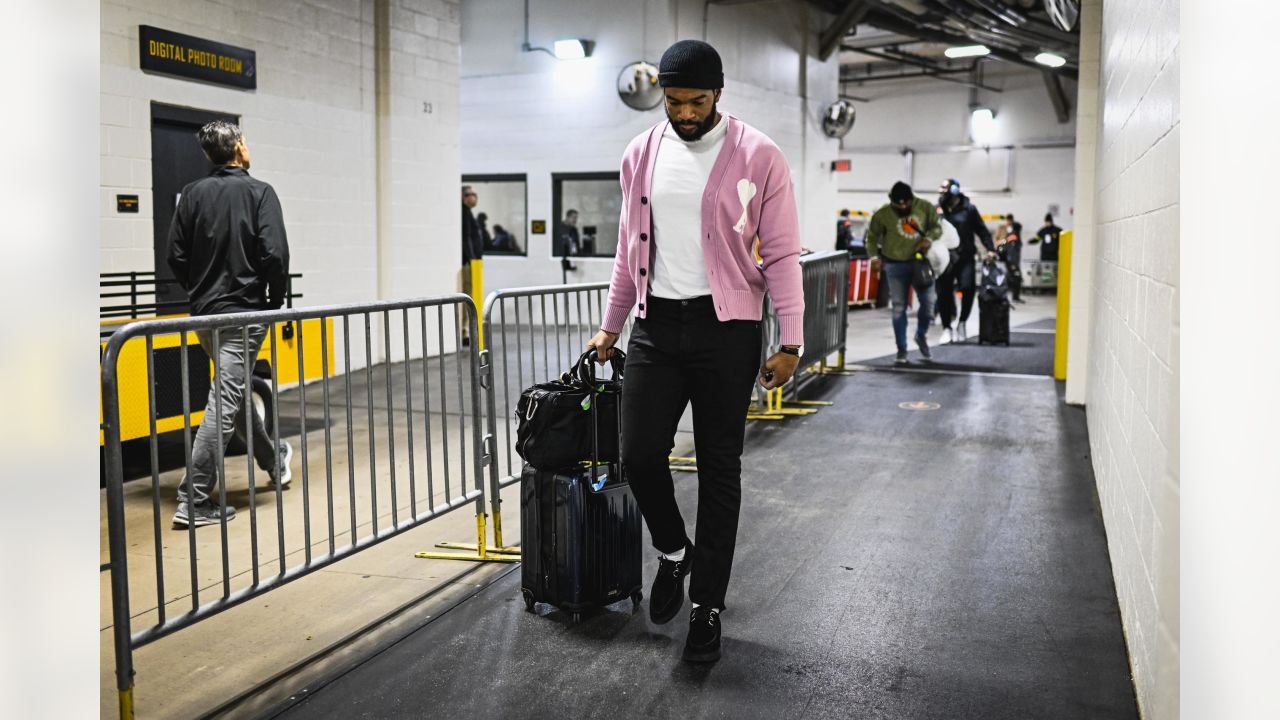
x,y
897,231
962,274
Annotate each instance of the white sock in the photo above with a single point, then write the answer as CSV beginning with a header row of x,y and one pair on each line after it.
x,y
676,556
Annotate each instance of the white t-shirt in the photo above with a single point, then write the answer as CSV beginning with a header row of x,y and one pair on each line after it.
x,y
680,175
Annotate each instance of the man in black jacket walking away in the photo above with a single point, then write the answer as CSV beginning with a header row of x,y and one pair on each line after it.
x,y
472,249
961,274
227,248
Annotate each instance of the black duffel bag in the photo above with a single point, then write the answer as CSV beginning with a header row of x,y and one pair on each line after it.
x,y
554,419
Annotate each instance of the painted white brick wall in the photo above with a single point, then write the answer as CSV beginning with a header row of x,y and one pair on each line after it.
x,y
311,125
924,113
1132,388
529,113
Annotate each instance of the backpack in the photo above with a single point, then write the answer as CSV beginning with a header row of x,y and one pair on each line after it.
x,y
995,283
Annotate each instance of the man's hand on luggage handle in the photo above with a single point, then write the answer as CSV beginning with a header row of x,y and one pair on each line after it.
x,y
777,370
603,343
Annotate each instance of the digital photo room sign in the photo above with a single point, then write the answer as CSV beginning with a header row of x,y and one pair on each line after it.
x,y
172,53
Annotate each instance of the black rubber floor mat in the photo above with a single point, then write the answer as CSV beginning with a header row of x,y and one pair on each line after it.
x,y
1026,354
1046,324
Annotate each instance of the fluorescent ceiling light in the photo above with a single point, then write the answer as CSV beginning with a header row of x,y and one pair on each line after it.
x,y
1051,60
982,125
966,51
575,49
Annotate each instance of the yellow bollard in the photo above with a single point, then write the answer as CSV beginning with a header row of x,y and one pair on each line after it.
x,y
1061,331
477,294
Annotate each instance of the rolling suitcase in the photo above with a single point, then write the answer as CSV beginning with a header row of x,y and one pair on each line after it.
x,y
580,525
993,305
993,321
580,539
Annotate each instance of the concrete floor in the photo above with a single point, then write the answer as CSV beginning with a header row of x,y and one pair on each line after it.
x,y
261,642
893,563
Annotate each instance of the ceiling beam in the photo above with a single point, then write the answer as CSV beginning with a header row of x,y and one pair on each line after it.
x,y
848,18
855,42
1057,96
905,59
891,23
943,75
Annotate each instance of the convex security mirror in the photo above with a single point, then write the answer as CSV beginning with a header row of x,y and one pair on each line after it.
x,y
837,119
638,86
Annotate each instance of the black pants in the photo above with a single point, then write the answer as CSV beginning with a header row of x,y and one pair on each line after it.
x,y
1013,264
960,275
682,353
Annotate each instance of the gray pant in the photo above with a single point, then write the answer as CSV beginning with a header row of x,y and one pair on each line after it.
x,y
229,392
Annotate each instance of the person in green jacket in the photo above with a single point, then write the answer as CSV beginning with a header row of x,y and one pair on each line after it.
x,y
896,233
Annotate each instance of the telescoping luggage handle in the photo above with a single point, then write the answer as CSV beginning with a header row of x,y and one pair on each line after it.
x,y
585,371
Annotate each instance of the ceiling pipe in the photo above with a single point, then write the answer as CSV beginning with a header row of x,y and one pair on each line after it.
x,y
1026,23
848,18
893,22
943,75
995,17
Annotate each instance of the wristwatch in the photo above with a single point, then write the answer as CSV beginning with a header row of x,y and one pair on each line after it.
x,y
796,350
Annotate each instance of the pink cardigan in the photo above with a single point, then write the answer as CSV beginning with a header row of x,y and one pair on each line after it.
x,y
748,196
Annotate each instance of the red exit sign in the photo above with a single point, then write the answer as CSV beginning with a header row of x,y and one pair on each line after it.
x,y
840,165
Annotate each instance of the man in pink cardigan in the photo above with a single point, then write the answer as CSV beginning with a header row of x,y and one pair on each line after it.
x,y
701,192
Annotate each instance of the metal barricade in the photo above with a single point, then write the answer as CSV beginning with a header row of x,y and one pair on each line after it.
x,y
825,277
531,335
826,320
439,448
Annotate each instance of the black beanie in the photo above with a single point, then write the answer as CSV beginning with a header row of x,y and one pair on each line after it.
x,y
900,191
691,64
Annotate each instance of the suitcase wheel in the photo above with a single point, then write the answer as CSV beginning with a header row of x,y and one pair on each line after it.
x,y
636,597
528,600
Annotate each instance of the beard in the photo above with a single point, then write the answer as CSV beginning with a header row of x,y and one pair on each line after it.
x,y
694,132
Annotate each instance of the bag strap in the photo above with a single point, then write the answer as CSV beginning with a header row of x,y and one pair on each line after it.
x,y
585,371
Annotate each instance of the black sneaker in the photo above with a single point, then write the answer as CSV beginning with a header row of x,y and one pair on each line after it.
x,y
285,456
666,597
901,358
703,643
203,515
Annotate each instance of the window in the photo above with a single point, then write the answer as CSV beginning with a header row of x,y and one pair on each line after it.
x,y
502,212
586,207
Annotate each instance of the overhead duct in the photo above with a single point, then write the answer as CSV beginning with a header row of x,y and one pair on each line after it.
x,y
966,25
951,38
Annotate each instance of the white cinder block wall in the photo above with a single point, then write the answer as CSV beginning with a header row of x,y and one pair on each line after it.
x,y
1132,386
312,125
929,115
530,113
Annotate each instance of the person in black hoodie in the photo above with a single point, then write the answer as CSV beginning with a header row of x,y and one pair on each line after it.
x,y
472,249
228,250
961,274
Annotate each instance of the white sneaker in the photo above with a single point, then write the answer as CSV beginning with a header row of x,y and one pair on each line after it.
x,y
286,475
948,335
962,333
